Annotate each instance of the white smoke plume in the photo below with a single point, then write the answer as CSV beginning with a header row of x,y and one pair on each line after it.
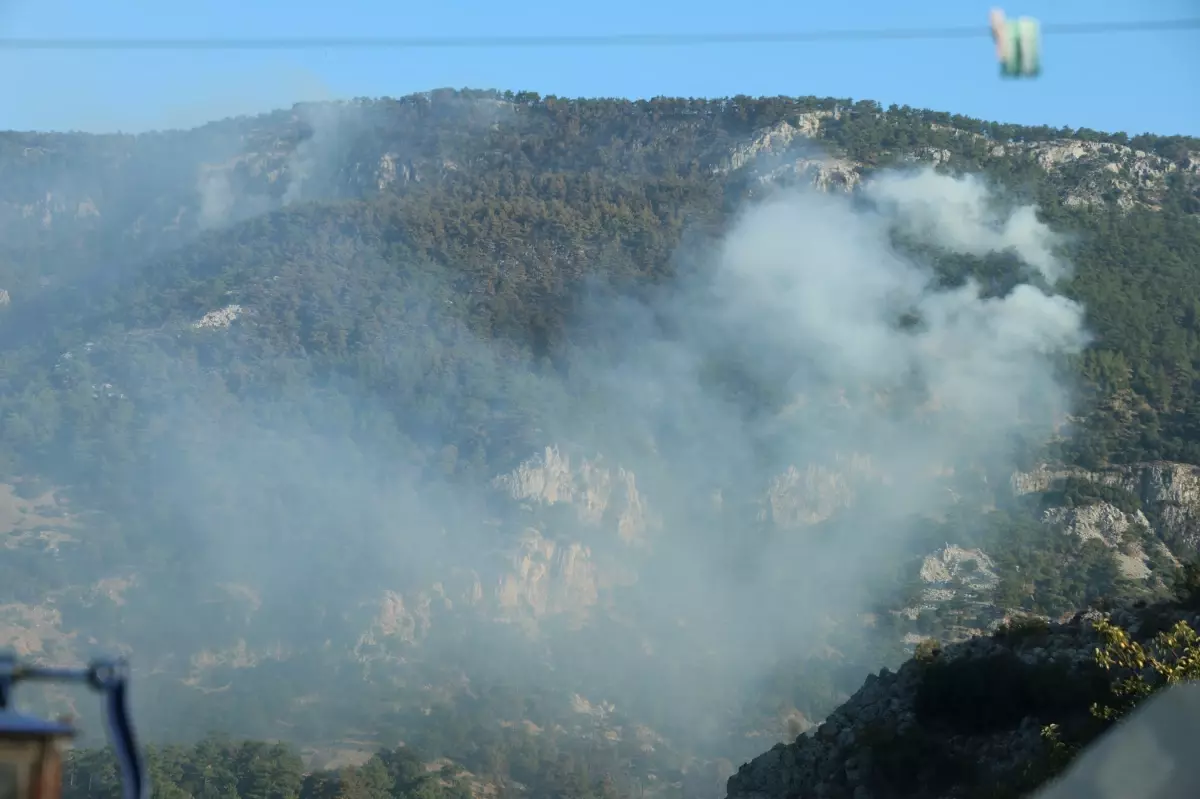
x,y
817,376
805,296
961,215
309,171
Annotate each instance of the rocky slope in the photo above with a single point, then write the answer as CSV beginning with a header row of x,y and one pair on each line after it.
x,y
965,720
1150,525
235,254
1168,492
1100,172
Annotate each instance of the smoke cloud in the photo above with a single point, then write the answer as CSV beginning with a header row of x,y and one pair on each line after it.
x,y
962,216
864,387
231,192
806,389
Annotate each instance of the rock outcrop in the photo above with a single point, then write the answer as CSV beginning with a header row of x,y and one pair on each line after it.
x,y
1169,494
545,577
1119,531
218,319
596,491
775,140
952,569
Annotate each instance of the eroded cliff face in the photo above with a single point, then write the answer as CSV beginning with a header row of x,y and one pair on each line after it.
x,y
545,570
554,571
1169,493
1110,172
775,140
537,572
398,622
546,577
566,565
1100,172
952,570
1144,542
598,493
1116,529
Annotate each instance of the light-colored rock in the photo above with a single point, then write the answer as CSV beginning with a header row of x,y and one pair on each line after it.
x,y
219,319
1105,523
1171,490
773,140
593,489
545,578
825,174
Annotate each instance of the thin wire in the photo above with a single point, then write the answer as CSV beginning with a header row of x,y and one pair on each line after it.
x,y
612,40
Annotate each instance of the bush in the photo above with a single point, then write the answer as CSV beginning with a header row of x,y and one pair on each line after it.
x,y
927,651
1187,586
1023,628
1172,656
997,692
906,761
1076,492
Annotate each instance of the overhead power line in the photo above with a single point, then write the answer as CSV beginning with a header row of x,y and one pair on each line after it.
x,y
602,40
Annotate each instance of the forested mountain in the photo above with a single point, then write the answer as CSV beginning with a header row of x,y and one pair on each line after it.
x,y
587,445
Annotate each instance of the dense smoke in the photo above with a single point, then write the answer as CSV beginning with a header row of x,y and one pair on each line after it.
x,y
807,388
844,423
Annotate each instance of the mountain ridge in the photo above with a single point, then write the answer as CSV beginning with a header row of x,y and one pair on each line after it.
x,y
340,376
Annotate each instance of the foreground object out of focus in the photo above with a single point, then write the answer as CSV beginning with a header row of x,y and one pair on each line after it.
x,y
1018,45
1152,754
31,748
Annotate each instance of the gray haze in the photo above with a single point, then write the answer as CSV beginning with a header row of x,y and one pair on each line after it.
x,y
804,294
849,424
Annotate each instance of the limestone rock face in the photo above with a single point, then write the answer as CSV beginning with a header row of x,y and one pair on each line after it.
x,y
545,577
1170,492
595,490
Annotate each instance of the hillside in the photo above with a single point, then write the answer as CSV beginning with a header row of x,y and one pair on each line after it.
x,y
991,717
639,432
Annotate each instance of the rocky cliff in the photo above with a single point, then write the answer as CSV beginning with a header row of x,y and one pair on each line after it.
x,y
1168,492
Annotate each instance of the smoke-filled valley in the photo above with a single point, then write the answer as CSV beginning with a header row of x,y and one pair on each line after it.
x,y
510,427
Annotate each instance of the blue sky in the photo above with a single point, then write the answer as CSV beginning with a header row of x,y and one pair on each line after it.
x,y
1135,82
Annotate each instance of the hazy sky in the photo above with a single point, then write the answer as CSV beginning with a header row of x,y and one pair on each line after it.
x,y
1133,82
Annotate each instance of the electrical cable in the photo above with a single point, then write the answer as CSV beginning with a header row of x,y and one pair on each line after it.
x,y
579,41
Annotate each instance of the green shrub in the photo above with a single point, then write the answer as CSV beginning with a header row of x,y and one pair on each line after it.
x,y
913,759
927,651
1077,492
985,695
1187,586
1172,656
1023,628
